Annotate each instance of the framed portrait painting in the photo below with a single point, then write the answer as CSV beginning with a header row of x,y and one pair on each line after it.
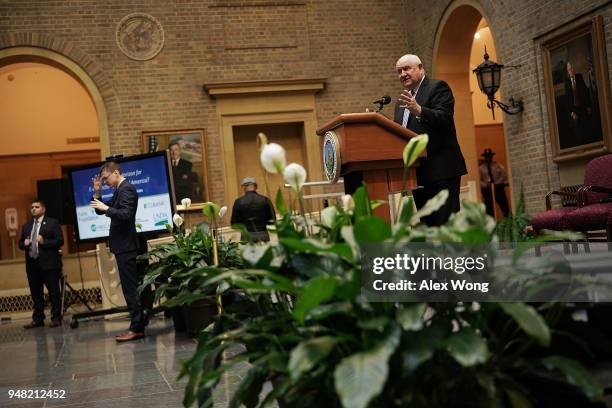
x,y
577,91
188,160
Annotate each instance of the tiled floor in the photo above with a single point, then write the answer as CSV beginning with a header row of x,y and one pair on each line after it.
x,y
91,367
95,371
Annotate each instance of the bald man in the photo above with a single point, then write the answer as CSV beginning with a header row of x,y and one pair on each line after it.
x,y
427,106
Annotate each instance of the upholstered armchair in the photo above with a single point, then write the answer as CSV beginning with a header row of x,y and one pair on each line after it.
x,y
593,209
552,218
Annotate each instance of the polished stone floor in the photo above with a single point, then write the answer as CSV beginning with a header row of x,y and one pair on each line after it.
x,y
93,369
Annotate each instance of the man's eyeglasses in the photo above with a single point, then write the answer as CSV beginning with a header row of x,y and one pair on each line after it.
x,y
104,178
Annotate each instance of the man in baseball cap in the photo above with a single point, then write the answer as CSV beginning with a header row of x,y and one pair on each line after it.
x,y
254,211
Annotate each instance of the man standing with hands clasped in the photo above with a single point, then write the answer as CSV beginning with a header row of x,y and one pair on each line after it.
x,y
41,240
427,106
121,209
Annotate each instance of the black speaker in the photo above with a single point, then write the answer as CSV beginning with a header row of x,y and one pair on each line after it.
x,y
57,197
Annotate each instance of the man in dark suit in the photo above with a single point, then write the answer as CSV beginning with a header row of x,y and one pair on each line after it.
x,y
123,240
41,240
182,174
578,106
254,211
427,106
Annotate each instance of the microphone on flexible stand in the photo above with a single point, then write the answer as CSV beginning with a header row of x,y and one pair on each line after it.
x,y
385,100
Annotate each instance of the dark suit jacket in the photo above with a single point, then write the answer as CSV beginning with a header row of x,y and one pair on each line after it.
x,y
582,93
48,252
444,159
122,212
183,180
254,211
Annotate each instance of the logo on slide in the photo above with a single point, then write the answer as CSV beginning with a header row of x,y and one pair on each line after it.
x,y
93,227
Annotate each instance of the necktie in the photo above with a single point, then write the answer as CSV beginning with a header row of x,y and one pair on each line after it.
x,y
405,118
34,240
174,163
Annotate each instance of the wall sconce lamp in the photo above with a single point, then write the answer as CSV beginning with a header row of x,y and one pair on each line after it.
x,y
489,78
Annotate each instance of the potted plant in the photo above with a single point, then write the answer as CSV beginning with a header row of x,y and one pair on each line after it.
x,y
177,270
320,343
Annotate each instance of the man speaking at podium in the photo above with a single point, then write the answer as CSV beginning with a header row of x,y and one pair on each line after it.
x,y
121,209
427,106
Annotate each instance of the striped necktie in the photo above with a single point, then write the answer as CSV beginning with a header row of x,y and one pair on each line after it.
x,y
34,240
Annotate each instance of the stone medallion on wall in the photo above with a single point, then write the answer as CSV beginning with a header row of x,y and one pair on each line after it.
x,y
140,36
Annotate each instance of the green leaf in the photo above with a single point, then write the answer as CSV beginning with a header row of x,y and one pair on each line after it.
x,y
281,282
323,311
411,317
575,374
467,347
371,229
187,298
308,353
281,207
211,210
249,388
362,203
414,148
254,253
374,204
315,292
361,376
406,210
529,320
417,349
309,246
377,323
432,205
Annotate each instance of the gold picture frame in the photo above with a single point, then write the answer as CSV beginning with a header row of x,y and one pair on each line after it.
x,y
577,91
189,184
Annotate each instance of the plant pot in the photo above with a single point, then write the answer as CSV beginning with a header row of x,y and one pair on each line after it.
x,y
178,319
198,315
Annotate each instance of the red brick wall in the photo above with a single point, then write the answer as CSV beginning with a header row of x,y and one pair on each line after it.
x,y
517,27
354,44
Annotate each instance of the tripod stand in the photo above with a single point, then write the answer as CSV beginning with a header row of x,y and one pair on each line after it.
x,y
72,293
64,285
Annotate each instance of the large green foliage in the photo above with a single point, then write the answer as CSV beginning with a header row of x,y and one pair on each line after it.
x,y
312,334
178,269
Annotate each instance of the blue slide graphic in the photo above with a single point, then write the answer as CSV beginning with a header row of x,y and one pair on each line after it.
x,y
147,174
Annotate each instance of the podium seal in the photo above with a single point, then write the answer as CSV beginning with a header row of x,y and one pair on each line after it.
x,y
331,156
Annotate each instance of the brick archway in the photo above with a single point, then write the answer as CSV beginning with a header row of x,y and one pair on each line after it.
x,y
35,47
451,62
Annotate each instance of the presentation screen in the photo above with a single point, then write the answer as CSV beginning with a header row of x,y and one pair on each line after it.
x,y
150,175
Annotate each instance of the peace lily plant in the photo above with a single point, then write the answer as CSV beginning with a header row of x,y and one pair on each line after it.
x,y
305,328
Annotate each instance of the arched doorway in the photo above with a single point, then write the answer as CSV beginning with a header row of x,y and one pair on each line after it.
x,y
459,47
55,119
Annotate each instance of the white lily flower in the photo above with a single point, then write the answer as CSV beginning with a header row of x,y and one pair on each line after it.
x,y
186,202
295,175
177,220
222,211
347,202
328,215
273,158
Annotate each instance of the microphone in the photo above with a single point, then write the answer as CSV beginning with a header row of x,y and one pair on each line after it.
x,y
381,102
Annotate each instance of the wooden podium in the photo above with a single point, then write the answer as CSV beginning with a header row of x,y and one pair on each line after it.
x,y
369,149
